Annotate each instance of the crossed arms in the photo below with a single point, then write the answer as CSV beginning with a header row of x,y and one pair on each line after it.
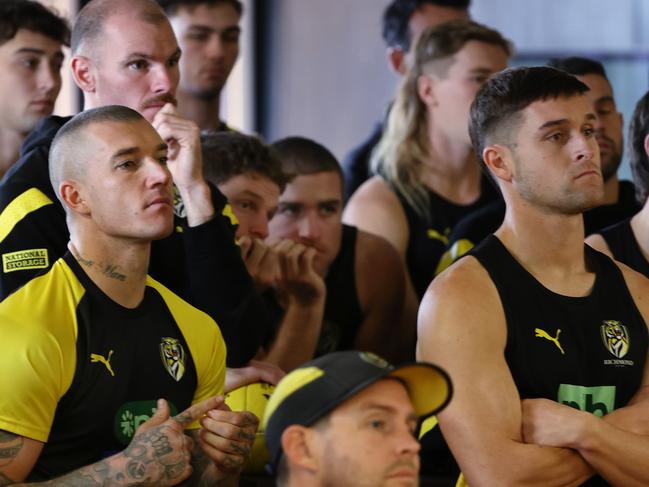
x,y
498,439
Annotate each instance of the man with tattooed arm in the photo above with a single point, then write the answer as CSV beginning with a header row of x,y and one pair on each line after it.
x,y
94,346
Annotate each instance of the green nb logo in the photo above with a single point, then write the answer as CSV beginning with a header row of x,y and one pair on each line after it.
x,y
599,400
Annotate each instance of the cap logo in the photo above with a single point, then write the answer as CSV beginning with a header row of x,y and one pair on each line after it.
x,y
375,360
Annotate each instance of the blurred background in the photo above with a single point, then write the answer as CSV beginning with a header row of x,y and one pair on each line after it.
x,y
318,67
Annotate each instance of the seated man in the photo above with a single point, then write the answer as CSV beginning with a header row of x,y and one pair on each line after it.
x,y
546,339
349,418
91,346
250,175
627,241
31,38
363,273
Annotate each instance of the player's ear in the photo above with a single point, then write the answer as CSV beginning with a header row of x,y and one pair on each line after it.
x,y
299,447
397,59
82,73
426,89
498,160
72,196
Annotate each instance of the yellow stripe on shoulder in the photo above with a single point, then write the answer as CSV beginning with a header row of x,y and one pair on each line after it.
x,y
39,329
29,201
203,336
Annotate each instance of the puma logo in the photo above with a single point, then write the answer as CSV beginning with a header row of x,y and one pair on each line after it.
x,y
544,334
435,235
95,357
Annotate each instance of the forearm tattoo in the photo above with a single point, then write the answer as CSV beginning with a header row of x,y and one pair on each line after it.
x,y
10,446
150,459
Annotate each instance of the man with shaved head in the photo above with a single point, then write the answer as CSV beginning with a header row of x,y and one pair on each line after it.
x,y
124,52
102,355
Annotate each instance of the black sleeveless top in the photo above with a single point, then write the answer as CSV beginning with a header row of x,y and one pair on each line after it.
x,y
586,352
624,246
343,314
428,239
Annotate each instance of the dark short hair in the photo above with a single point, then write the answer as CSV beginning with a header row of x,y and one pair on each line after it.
x,y
578,66
171,6
497,108
396,19
91,19
638,130
301,156
33,16
230,154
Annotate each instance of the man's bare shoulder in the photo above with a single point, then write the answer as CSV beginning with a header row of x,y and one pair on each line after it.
x,y
466,276
373,249
597,242
379,268
373,196
463,293
375,208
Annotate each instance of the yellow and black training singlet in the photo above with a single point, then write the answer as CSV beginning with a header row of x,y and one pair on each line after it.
x,y
81,373
586,352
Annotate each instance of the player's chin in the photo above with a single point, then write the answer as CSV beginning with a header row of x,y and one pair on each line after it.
x,y
161,230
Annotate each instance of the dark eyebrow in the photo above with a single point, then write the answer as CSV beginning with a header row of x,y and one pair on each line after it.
x,y
605,99
206,28
330,202
563,121
38,52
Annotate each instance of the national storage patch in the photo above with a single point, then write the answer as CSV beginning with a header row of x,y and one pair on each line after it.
x,y
25,259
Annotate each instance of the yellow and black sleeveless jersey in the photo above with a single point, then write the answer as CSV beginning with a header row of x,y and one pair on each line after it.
x,y
429,237
201,264
81,373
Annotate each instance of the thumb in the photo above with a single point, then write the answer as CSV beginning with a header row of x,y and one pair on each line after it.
x,y
160,416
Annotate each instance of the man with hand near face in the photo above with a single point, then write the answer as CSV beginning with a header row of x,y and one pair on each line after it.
x,y
94,342
250,174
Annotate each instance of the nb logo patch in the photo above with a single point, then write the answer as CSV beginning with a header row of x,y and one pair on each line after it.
x,y
598,400
544,334
24,260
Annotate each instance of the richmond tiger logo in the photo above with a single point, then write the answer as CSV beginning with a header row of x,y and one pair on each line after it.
x,y
173,357
615,337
